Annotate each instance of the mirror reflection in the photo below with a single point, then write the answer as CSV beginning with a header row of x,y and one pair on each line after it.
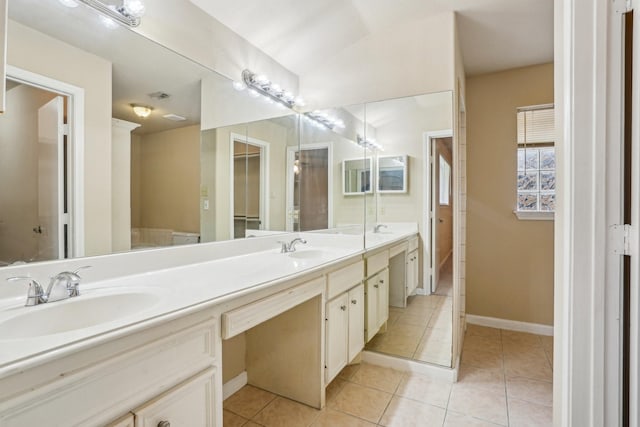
x,y
357,176
408,191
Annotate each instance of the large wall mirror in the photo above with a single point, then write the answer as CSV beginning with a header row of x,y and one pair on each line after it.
x,y
202,162
403,134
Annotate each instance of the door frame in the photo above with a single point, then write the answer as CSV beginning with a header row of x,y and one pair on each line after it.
x,y
427,194
75,151
264,178
291,152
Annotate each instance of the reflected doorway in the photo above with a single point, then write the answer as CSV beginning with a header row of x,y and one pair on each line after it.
x,y
309,204
250,184
34,155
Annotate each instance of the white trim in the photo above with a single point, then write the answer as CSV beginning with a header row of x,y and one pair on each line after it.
x,y
427,253
432,371
265,161
234,385
75,140
510,325
535,216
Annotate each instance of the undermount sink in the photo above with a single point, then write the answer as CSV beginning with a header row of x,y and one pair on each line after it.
x,y
75,313
309,254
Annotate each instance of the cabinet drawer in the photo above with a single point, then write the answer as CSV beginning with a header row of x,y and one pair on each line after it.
x,y
111,388
413,244
377,262
399,248
188,404
246,317
340,281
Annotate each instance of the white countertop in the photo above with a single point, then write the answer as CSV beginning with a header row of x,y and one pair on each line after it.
x,y
162,294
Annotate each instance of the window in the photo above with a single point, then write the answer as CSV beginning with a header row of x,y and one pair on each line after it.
x,y
536,170
445,181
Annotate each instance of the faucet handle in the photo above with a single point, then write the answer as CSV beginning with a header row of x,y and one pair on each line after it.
x,y
35,294
284,248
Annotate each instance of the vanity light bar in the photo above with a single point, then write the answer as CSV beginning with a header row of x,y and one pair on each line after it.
x,y
325,120
368,143
121,13
260,84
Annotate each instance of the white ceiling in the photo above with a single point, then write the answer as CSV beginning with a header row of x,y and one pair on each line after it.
x,y
494,34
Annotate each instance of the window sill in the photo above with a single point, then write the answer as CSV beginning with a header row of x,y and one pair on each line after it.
x,y
535,216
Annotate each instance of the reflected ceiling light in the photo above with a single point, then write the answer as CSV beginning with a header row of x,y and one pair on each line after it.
x,y
324,119
369,144
141,110
129,12
69,3
239,86
260,84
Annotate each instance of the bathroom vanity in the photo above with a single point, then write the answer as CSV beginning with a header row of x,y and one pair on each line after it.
x,y
305,314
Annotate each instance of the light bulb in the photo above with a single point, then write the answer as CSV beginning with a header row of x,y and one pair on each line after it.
x,y
276,88
134,8
69,3
108,22
287,96
262,79
239,86
141,111
299,101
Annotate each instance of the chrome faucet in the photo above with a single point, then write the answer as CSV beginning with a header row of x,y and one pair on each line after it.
x,y
377,228
61,286
291,246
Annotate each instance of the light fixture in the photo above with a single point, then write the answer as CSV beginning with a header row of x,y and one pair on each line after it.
x,y
141,111
296,167
369,144
260,84
69,3
129,12
324,119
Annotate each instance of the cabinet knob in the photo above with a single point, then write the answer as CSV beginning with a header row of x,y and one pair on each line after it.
x,y
354,301
164,424
342,307
381,280
376,286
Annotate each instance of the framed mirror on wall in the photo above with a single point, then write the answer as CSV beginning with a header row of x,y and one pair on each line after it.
x,y
357,177
392,174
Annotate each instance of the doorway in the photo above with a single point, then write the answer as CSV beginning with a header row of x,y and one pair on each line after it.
x,y
35,154
438,224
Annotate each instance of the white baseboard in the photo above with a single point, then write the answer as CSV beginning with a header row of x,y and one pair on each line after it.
x,y
511,325
421,291
234,385
432,371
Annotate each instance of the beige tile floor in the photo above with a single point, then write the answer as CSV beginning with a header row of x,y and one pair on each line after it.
x,y
423,330
505,379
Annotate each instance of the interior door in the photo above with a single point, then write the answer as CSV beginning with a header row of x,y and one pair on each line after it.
x,y
434,212
50,229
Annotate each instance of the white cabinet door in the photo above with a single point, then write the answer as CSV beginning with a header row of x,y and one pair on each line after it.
x,y
188,404
337,330
371,307
412,272
383,297
356,321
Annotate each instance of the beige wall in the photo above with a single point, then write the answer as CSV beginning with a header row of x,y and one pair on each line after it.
x,y
169,179
509,272
19,164
38,53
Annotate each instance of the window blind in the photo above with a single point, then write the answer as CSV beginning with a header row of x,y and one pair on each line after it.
x,y
536,125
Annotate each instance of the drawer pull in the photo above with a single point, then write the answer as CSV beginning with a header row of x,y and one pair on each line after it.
x,y
376,286
343,307
354,301
381,281
164,424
